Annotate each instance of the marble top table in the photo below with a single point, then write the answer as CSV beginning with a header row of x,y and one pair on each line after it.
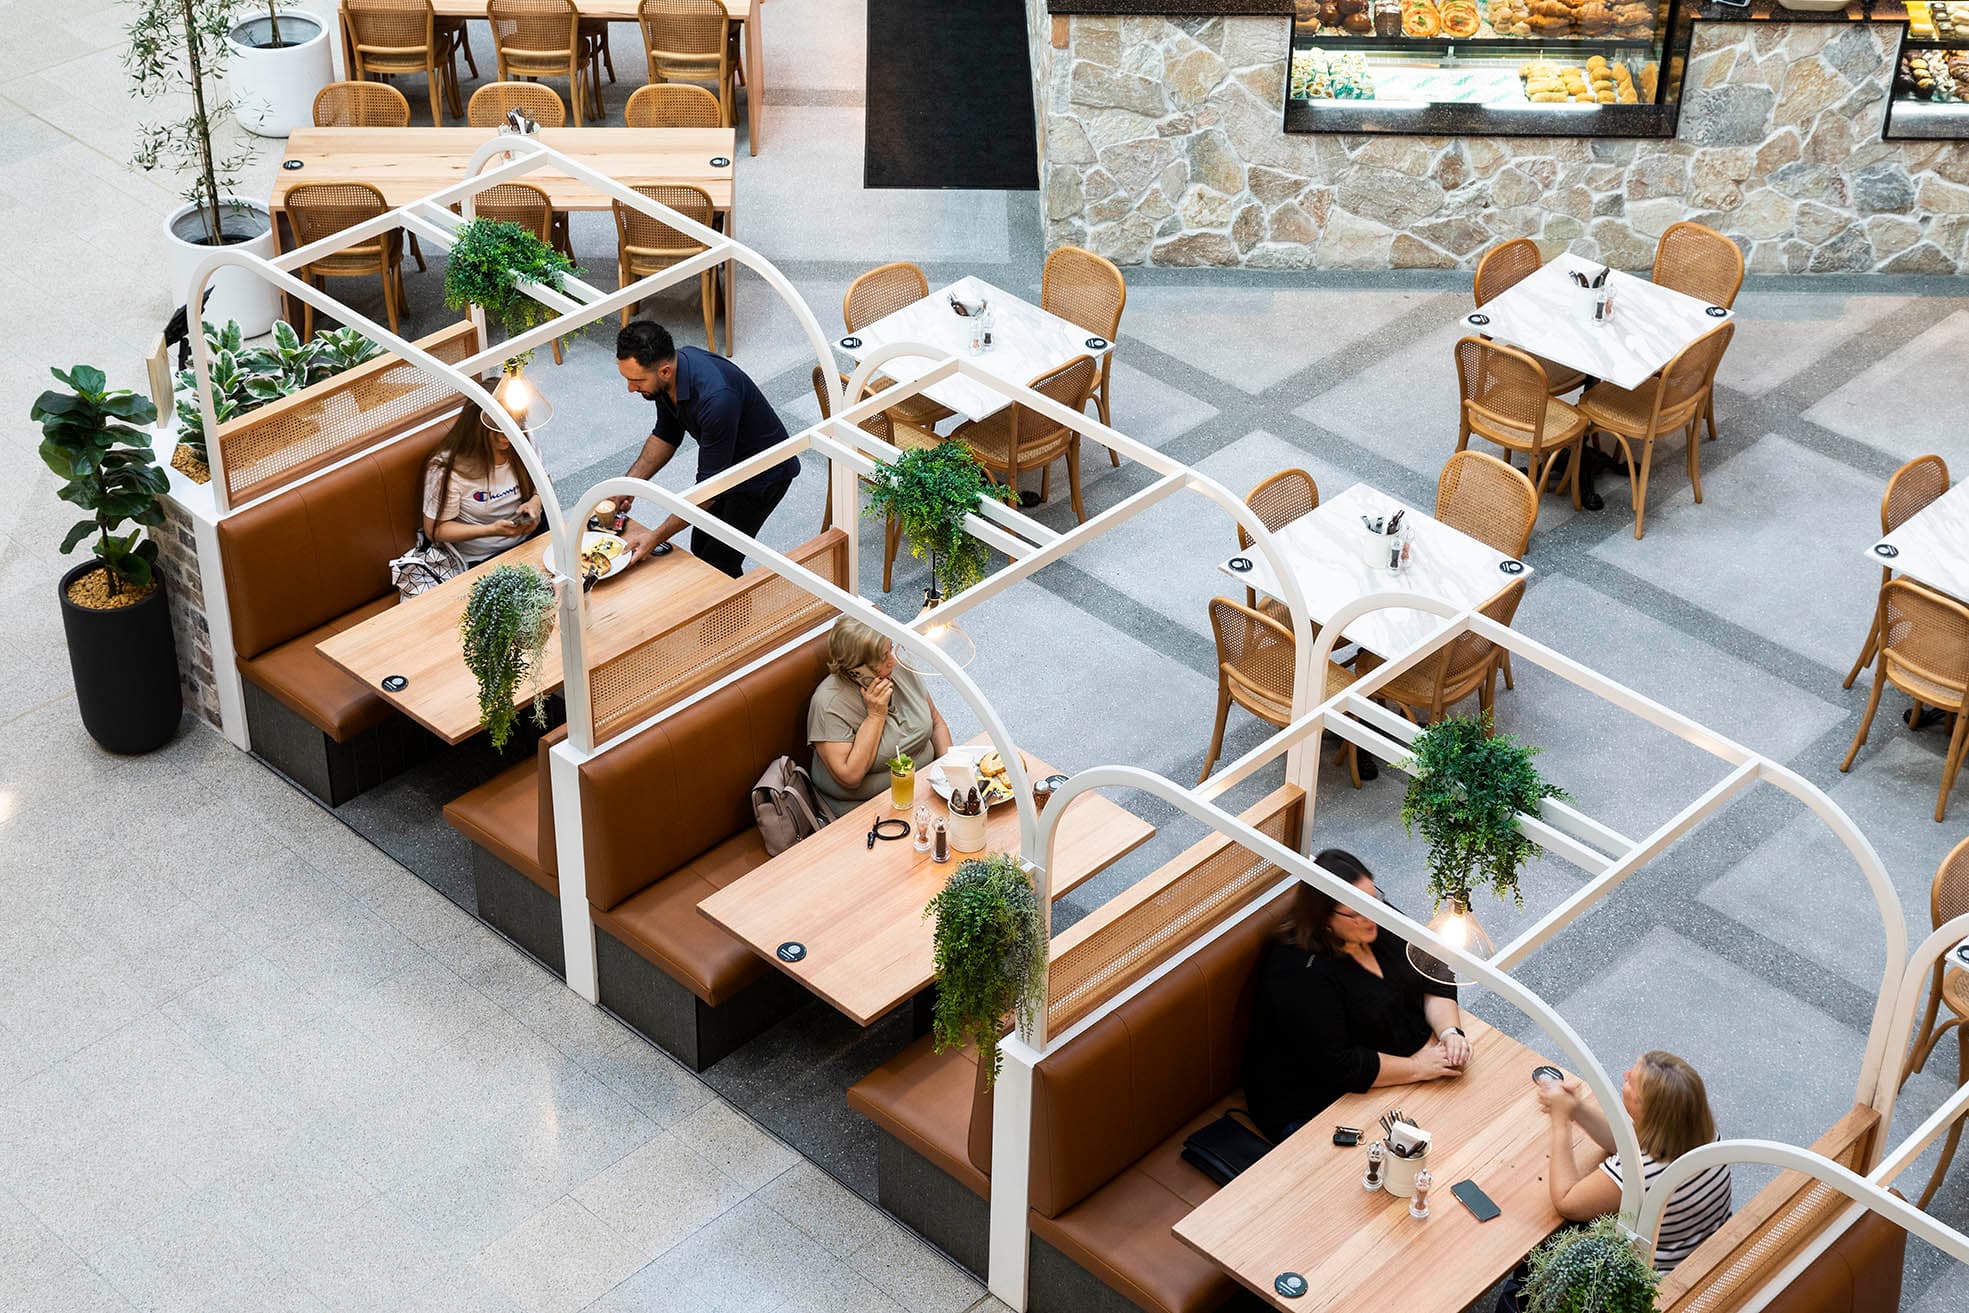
x,y
1326,551
1932,546
1027,342
1650,324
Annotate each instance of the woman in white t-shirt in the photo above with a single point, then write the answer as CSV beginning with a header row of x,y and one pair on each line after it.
x,y
477,496
1670,1108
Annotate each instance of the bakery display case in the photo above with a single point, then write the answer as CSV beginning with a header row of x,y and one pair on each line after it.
x,y
1931,75
1597,68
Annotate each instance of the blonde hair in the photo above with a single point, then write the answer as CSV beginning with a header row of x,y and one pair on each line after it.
x,y
1675,1115
851,644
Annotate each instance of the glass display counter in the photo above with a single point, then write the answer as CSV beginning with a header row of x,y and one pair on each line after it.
x,y
1931,75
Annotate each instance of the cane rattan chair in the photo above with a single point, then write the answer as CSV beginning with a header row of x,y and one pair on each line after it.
x,y
1669,402
673,105
393,37
360,105
882,291
1466,665
1016,439
1255,656
1923,652
1948,898
1702,263
1910,489
645,245
1277,501
1507,399
542,38
322,209
490,103
1087,290
897,433
691,41
1505,266
1494,503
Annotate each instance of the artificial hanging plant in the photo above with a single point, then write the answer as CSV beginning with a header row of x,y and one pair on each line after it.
x,y
990,946
107,469
509,616
1591,1269
1469,784
487,265
930,491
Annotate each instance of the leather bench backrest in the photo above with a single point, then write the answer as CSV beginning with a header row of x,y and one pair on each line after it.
x,y
543,767
684,785
1135,1077
318,551
1860,1273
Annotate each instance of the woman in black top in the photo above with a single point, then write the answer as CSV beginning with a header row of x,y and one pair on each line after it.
x,y
1340,1009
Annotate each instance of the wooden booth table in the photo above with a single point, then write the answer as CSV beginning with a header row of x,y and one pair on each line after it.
x,y
1650,325
1932,545
1301,1209
1325,550
1028,342
858,911
419,638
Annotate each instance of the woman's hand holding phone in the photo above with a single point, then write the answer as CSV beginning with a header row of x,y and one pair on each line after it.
x,y
875,695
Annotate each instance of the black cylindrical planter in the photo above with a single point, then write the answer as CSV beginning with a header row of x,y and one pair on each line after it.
x,y
125,664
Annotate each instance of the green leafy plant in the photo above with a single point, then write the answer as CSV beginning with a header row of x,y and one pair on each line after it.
x,y
488,264
341,349
1469,784
509,616
930,492
1592,1269
990,955
178,47
902,763
246,378
107,469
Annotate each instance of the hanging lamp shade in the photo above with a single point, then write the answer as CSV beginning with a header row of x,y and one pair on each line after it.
x,y
1456,925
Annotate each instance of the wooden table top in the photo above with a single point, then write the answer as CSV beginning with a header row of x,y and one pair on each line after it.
x,y
614,11
1301,1208
860,911
419,638
406,164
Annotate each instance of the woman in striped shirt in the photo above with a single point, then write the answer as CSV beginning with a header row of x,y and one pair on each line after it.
x,y
1670,1109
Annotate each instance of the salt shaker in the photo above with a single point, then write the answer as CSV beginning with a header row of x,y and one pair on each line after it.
x,y
940,844
1418,1203
1375,1153
922,844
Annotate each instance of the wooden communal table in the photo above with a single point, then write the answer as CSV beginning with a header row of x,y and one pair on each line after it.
x,y
419,638
1301,1209
859,911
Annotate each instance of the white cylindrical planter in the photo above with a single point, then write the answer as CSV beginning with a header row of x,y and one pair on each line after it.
x,y
273,87
236,293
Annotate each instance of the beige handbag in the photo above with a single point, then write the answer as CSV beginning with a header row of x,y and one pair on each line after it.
x,y
786,806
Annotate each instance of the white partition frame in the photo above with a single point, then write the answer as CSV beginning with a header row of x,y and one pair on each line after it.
x,y
1607,856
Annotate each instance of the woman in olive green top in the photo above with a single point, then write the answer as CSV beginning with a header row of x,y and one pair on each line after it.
x,y
867,710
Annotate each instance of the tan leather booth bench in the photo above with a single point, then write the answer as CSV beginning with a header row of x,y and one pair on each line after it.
x,y
515,869
1110,1113
666,821
301,566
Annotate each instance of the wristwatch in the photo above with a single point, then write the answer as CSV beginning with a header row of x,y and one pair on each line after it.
x,y
1451,1030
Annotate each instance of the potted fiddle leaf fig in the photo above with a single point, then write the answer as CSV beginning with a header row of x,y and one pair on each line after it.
x,y
115,612
1592,1269
930,491
279,64
508,619
990,946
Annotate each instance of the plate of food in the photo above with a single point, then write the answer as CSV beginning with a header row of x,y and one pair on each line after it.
x,y
994,784
602,555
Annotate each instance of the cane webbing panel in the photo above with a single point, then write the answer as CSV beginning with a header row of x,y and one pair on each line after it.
x,y
275,445
1159,916
761,611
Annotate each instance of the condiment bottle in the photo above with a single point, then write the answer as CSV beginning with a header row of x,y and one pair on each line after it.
x,y
922,844
1375,1153
940,844
1418,1202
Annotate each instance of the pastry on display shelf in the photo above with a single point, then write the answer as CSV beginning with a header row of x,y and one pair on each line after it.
x,y
1510,17
1938,20
1460,19
1330,75
1600,82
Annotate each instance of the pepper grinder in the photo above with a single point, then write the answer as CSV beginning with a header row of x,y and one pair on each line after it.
x,y
1418,1203
922,844
940,844
1375,1153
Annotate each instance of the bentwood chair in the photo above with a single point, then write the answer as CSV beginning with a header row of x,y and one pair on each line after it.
x,y
691,41
542,38
1015,438
669,105
388,38
1910,489
1503,267
1948,898
1465,666
646,245
1923,652
1492,502
882,291
1277,501
1255,656
322,209
895,432
1672,401
1087,290
525,204
360,105
1507,399
1702,263
491,102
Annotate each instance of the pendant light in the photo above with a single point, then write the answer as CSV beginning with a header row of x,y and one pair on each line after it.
x,y
1456,925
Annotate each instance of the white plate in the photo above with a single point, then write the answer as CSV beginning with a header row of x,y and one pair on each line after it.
x,y
940,783
589,538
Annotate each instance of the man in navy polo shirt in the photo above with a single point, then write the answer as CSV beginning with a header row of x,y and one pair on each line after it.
x,y
715,402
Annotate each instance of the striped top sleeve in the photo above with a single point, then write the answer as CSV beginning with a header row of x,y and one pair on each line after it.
x,y
1698,1209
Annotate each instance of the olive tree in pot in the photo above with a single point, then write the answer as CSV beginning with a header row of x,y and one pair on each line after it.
x,y
115,612
1592,1269
178,47
279,64
990,946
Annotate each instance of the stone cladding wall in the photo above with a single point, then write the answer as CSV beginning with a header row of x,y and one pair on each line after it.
x,y
1162,143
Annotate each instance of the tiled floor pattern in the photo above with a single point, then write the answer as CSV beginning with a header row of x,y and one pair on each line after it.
x,y
248,1061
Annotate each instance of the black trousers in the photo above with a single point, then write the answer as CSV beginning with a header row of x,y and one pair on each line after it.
x,y
744,508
